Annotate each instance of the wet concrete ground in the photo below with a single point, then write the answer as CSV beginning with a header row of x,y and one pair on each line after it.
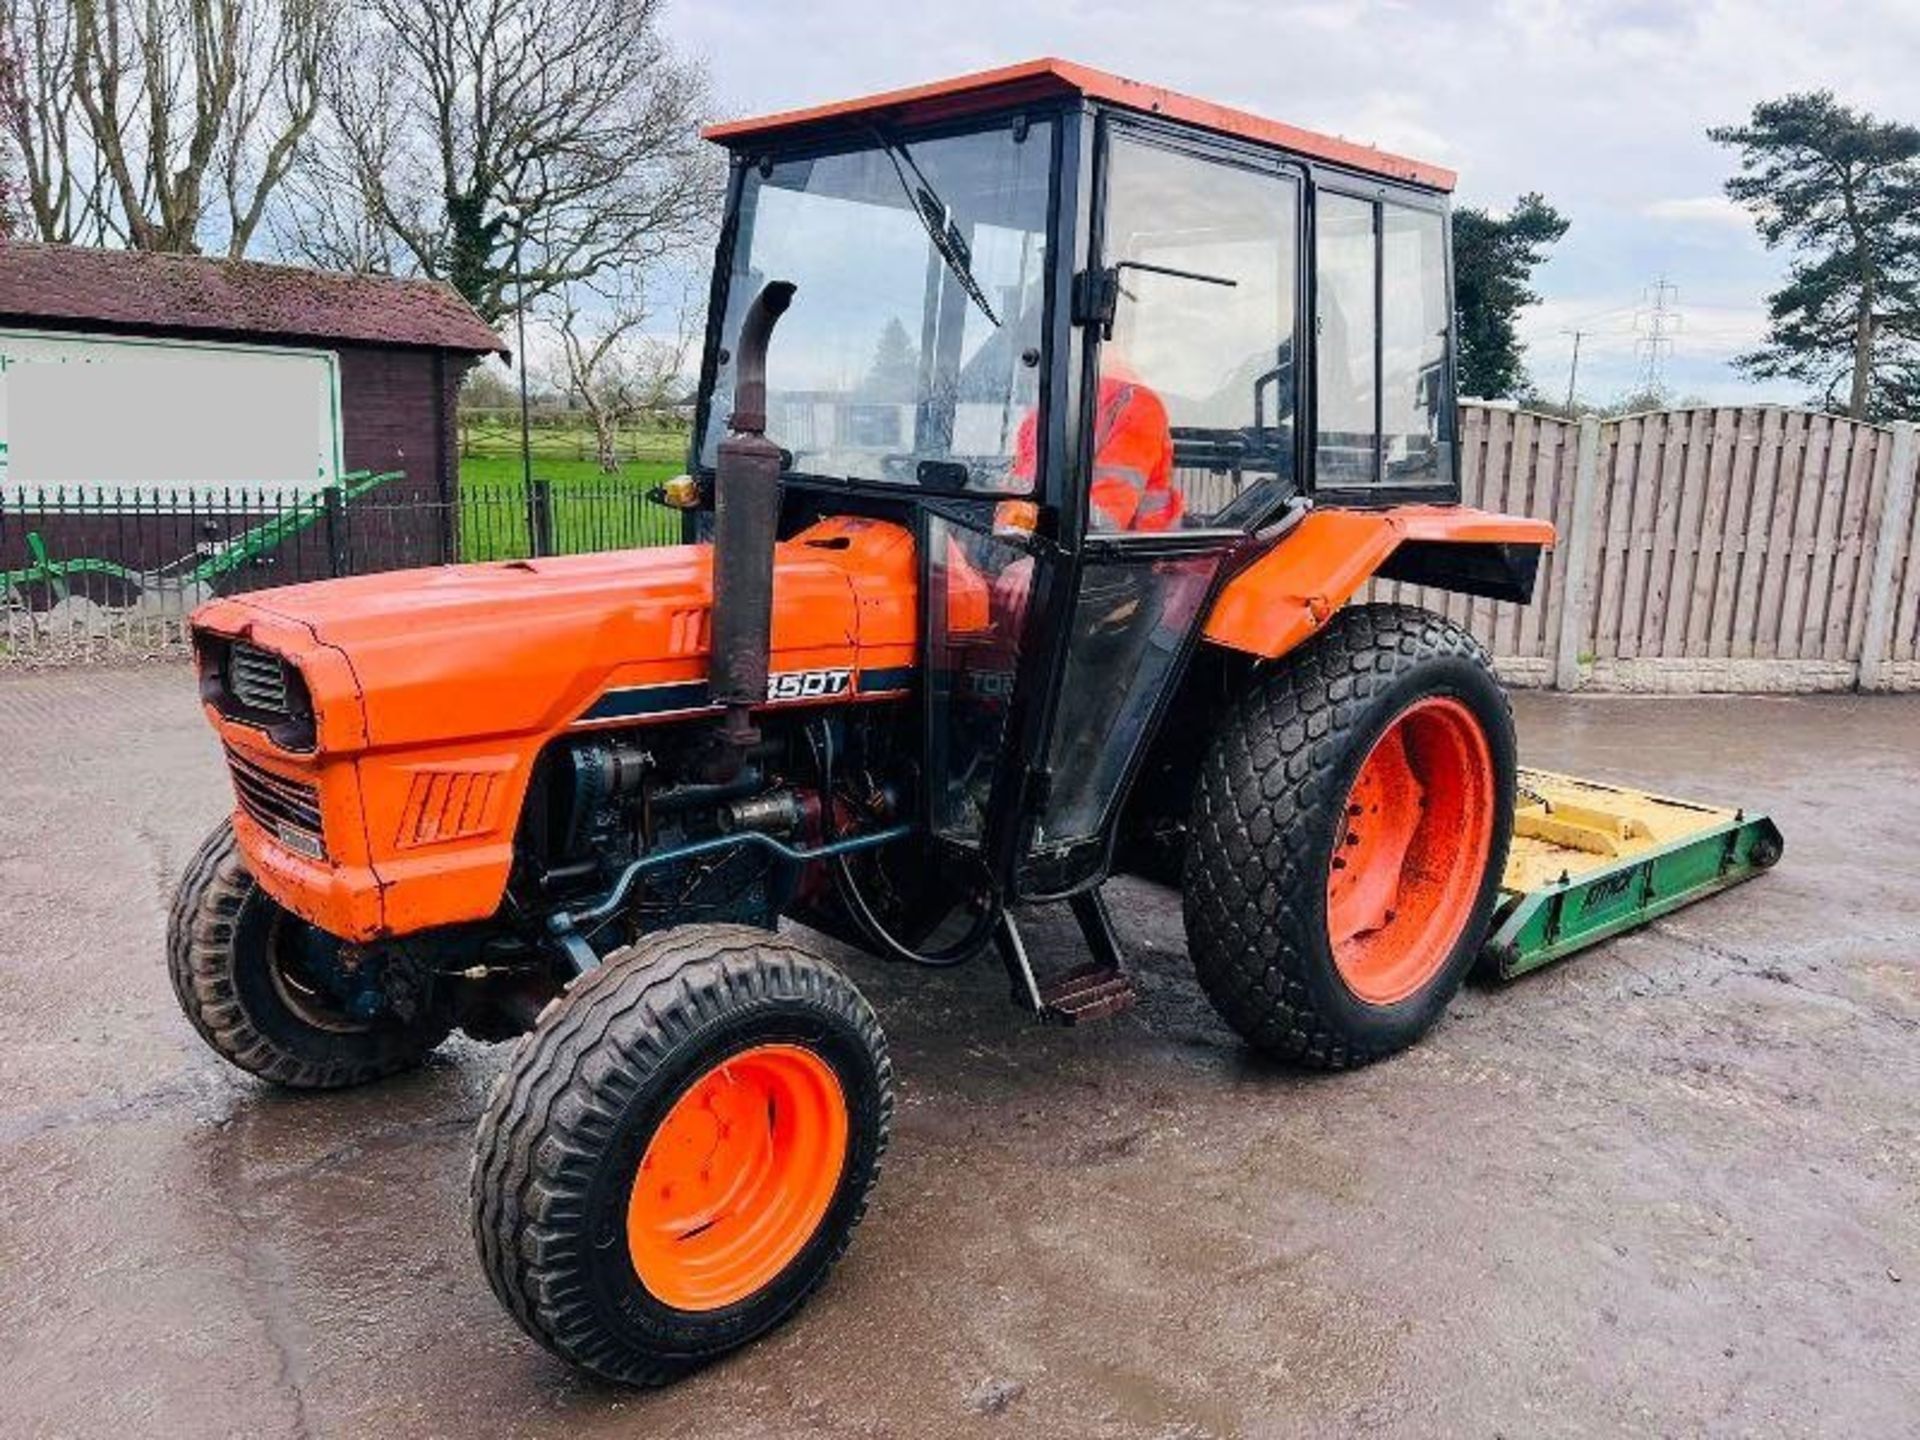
x,y
1671,1187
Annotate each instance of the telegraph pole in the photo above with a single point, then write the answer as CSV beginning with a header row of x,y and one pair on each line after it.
x,y
1573,370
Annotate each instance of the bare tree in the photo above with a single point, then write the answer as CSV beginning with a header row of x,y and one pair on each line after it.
x,y
60,192
162,124
611,364
332,215
507,146
10,99
276,97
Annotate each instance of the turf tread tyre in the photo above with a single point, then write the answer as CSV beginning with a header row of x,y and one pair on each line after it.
x,y
211,926
566,1091
1254,881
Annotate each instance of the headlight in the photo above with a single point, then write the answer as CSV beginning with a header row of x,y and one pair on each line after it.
x,y
255,687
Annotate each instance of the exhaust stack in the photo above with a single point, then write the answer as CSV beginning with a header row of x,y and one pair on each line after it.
x,y
746,513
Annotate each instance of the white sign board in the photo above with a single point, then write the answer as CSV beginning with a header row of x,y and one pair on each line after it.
x,y
164,417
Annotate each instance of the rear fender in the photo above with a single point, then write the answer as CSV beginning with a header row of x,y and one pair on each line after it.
x,y
1285,596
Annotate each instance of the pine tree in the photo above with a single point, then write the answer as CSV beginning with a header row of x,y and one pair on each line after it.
x,y
895,372
1493,263
1841,189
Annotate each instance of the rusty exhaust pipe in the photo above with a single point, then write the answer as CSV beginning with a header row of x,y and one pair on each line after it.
x,y
746,515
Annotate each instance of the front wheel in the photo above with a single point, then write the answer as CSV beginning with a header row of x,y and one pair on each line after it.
x,y
262,986
679,1152
1350,829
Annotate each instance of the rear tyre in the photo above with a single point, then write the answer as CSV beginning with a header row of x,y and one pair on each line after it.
x,y
1350,828
244,972
678,1153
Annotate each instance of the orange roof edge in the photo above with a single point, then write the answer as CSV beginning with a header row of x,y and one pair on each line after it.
x,y
1035,78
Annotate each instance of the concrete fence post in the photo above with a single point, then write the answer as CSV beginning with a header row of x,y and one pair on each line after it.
x,y
1575,559
1876,640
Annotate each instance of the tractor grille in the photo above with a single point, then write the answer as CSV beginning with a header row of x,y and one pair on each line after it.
x,y
288,810
257,678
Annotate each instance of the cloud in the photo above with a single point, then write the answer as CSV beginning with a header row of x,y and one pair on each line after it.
x,y
1700,210
1601,105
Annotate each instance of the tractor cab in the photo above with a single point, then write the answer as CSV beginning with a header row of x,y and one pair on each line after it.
x,y
1098,345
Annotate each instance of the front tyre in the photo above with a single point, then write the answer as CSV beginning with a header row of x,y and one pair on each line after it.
x,y
679,1152
253,978
1350,830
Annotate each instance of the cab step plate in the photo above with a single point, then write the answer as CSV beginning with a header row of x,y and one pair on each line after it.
x,y
1091,992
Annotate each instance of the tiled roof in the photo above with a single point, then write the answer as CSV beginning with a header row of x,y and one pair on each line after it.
x,y
191,294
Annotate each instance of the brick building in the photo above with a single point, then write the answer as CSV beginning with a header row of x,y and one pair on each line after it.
x,y
216,394
399,349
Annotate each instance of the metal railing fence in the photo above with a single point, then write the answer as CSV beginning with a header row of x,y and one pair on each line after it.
x,y
94,571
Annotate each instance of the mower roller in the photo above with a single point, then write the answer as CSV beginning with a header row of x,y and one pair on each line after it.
x,y
1049,427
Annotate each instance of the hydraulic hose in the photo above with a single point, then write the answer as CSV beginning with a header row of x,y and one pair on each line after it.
x,y
957,952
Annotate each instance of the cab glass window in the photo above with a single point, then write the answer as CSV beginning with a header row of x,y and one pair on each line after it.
x,y
1195,422
1413,346
1381,331
911,350
1129,622
1347,382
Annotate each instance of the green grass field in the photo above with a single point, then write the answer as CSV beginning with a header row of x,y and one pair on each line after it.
x,y
565,436
591,511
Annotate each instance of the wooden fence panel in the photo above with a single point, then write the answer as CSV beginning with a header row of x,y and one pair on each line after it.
x,y
1642,481
1550,496
1619,461
1905,589
1741,616
1729,546
1667,632
1797,440
1756,448
1484,616
1822,542
1481,616
1728,445
1663,538
1852,558
1723,537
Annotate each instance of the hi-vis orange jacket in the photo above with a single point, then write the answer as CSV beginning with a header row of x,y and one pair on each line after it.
x,y
1133,485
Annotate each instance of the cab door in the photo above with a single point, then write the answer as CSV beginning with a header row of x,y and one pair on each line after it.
x,y
1190,396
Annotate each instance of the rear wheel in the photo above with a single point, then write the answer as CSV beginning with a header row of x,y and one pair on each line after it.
x,y
678,1153
1350,829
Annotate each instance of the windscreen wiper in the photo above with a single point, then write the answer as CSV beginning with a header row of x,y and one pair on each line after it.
x,y
937,216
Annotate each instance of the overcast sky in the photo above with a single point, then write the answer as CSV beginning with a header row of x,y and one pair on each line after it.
x,y
1599,104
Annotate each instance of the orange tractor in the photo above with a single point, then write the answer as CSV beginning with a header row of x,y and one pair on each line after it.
x,y
1020,554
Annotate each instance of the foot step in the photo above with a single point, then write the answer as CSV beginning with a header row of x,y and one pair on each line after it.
x,y
1091,992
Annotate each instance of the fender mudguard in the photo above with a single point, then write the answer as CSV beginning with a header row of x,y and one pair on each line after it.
x,y
1287,594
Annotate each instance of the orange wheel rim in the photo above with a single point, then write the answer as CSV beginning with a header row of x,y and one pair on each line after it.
x,y
1412,850
737,1178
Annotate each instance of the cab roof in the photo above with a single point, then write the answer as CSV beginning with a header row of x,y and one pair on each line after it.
x,y
1049,78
